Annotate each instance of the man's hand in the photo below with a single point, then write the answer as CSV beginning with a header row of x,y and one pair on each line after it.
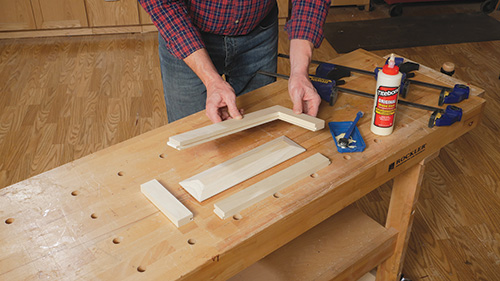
x,y
221,102
304,96
221,99
302,93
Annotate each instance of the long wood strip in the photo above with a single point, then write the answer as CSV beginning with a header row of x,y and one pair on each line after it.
x,y
253,194
175,211
218,130
302,120
223,176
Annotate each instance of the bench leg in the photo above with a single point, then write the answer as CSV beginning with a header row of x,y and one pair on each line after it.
x,y
405,190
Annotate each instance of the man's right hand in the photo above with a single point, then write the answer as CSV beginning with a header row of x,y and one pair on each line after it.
x,y
221,102
221,99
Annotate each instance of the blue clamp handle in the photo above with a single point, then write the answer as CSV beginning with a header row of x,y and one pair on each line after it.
x,y
450,115
353,125
325,88
459,93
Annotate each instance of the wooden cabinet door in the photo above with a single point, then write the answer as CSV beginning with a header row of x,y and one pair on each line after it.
x,y
112,12
16,15
144,16
51,14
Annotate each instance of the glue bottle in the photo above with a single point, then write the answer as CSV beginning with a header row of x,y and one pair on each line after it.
x,y
386,99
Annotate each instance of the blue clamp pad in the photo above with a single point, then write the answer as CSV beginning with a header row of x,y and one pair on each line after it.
x,y
324,68
459,93
447,117
337,128
451,115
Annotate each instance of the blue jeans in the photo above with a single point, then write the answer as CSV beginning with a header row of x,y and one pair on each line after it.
x,y
237,57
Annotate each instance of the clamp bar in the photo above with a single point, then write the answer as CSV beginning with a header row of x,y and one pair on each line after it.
x,y
339,66
402,102
439,87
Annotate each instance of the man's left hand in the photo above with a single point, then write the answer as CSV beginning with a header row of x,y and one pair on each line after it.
x,y
302,93
304,96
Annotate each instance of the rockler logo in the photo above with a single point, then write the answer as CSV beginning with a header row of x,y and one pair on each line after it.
x,y
407,157
387,91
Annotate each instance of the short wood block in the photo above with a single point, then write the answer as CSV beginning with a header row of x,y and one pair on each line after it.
x,y
242,167
344,247
175,211
235,203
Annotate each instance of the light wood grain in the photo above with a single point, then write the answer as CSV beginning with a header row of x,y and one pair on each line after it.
x,y
269,186
65,98
405,192
15,15
177,213
228,127
144,16
329,251
238,169
52,14
283,10
112,13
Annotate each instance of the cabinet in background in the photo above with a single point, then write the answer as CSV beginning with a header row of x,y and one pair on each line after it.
x,y
16,15
52,14
102,13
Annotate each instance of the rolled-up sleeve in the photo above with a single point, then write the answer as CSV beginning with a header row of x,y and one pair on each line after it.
x,y
172,20
307,19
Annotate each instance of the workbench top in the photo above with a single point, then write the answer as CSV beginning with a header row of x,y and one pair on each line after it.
x,y
89,220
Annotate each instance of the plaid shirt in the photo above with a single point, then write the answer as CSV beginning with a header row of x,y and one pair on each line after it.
x,y
180,21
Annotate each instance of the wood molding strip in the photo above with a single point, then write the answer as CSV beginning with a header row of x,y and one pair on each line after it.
x,y
245,198
218,130
242,167
175,211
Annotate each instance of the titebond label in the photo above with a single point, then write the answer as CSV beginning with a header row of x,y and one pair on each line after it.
x,y
385,107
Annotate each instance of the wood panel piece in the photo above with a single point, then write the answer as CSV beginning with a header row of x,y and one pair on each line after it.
x,y
343,247
16,15
50,14
144,17
218,130
175,211
223,176
112,13
267,187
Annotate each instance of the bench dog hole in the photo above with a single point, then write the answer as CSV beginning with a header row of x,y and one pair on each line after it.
x,y
141,268
191,241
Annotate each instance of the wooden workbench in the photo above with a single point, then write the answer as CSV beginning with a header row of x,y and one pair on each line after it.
x,y
88,219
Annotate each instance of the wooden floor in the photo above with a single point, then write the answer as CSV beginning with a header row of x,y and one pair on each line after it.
x,y
64,98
